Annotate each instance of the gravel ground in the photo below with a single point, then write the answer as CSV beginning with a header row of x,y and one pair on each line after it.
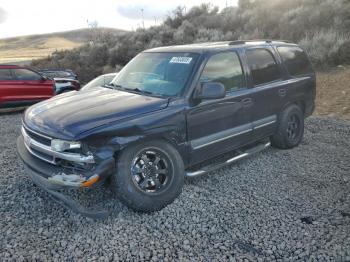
x,y
277,205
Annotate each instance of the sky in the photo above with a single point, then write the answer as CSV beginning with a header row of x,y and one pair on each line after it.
x,y
26,17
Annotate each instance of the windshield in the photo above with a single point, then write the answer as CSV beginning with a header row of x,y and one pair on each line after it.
x,y
162,74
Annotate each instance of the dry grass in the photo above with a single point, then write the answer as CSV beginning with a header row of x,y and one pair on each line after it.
x,y
333,93
25,48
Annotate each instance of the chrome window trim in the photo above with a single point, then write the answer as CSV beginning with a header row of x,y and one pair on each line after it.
x,y
30,143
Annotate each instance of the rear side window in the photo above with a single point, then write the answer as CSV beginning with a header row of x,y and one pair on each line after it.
x,y
224,68
25,74
295,60
263,66
5,74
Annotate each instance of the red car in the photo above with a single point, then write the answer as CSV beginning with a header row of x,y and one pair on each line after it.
x,y
21,86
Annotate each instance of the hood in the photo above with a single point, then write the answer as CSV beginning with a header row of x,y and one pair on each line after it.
x,y
68,115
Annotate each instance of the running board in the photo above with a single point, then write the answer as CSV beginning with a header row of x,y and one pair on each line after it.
x,y
242,155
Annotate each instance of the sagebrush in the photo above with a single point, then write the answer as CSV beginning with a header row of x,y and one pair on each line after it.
x,y
320,26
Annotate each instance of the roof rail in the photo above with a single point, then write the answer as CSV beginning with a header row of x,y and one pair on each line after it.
x,y
242,42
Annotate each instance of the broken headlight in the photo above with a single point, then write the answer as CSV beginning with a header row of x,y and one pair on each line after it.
x,y
62,145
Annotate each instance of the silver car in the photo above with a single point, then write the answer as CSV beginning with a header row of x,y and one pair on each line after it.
x,y
100,81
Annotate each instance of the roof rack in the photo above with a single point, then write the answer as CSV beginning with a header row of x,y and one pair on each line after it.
x,y
268,41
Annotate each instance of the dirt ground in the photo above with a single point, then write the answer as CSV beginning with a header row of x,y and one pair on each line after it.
x,y
333,93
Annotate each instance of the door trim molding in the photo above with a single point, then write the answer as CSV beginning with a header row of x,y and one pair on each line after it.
x,y
220,136
232,132
264,121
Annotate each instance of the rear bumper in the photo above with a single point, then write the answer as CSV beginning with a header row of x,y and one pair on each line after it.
x,y
42,172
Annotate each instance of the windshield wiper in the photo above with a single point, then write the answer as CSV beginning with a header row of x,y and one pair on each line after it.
x,y
114,85
134,90
141,91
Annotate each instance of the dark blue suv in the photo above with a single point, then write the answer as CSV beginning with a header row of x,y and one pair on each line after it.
x,y
167,115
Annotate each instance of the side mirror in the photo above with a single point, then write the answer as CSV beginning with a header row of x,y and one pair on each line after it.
x,y
44,78
210,90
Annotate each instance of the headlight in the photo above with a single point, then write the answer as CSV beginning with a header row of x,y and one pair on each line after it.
x,y
61,145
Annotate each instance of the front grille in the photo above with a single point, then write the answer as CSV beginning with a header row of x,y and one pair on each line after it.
x,y
42,155
30,136
40,146
37,137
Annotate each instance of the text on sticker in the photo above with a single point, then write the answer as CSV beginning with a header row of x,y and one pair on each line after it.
x,y
181,60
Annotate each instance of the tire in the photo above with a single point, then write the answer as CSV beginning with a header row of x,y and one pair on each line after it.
x,y
148,187
290,128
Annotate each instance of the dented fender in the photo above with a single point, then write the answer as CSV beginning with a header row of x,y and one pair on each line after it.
x,y
169,125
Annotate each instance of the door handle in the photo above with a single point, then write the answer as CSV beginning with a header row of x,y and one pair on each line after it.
x,y
247,102
282,92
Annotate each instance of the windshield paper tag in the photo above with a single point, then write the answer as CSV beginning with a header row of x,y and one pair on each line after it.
x,y
181,60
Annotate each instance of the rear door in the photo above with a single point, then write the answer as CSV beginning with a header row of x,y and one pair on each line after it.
x,y
268,89
30,86
217,126
302,80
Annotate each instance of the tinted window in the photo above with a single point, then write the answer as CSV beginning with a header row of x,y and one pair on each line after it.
x,y
224,68
295,60
263,66
5,74
25,74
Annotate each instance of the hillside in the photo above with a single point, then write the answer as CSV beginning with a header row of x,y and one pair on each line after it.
x,y
333,93
26,48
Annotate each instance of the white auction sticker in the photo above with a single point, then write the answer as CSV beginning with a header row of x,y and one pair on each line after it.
x,y
181,60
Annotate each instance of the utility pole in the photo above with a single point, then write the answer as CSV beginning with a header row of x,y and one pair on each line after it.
x,y
143,22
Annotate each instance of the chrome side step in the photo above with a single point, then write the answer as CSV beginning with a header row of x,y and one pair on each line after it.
x,y
242,155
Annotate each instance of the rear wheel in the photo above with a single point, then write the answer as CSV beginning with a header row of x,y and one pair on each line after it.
x,y
290,128
149,176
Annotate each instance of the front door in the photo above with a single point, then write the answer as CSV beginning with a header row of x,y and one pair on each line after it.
x,y
217,126
30,86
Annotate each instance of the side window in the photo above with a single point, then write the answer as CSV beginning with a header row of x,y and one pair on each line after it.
x,y
5,74
224,68
295,60
25,74
263,66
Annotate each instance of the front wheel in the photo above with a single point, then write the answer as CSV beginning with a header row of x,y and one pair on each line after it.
x,y
148,176
290,128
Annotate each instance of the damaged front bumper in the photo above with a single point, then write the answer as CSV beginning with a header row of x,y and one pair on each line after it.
x,y
52,177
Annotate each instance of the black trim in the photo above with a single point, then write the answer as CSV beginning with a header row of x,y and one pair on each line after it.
x,y
18,103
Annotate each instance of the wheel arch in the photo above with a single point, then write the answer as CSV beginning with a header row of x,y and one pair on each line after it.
x,y
168,137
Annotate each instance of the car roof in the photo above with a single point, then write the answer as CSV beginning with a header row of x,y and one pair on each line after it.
x,y
217,46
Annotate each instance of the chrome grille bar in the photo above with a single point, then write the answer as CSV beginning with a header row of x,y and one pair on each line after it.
x,y
33,145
